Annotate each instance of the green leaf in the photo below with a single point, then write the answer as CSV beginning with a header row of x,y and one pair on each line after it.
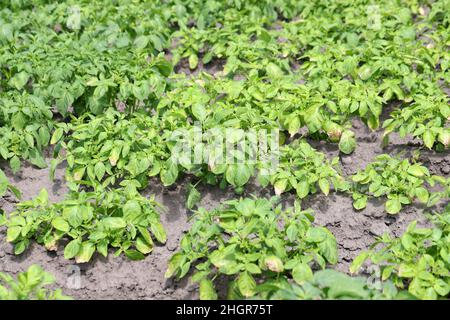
x,y
199,112
114,223
6,32
406,270
4,183
238,174
164,66
85,253
159,232
18,121
141,42
444,138
13,233
102,247
36,158
64,102
302,188
2,218
328,248
294,125
365,72
347,143
246,207
246,284
243,174
19,80
302,273
358,262
169,173
407,241
393,206
99,170
131,209
360,203
417,170
72,249
42,198
324,186
143,246
57,135
44,136
341,285
53,165
422,194
14,163
252,268
315,234
273,71
174,263
157,42
193,61
20,247
292,232
60,224
441,287
193,197
428,139
145,235
134,255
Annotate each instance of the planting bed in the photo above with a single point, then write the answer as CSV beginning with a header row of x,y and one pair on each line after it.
x,y
91,95
119,278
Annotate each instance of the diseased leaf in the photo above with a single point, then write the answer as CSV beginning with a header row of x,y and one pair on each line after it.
x,y
246,284
207,291
347,143
302,273
393,206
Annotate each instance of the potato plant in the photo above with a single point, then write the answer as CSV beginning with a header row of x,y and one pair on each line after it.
x,y
26,122
249,241
418,260
99,63
88,222
105,149
329,284
425,118
258,101
400,181
306,171
29,285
